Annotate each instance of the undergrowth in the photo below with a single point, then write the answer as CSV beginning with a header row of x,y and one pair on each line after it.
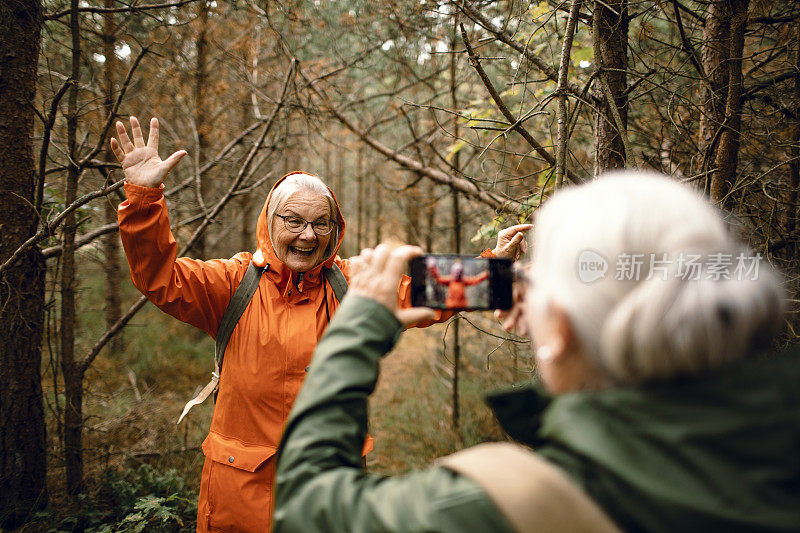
x,y
129,500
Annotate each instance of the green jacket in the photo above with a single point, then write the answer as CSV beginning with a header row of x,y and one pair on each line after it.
x,y
320,484
714,453
719,452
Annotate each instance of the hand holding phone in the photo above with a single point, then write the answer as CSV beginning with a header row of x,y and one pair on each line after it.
x,y
375,274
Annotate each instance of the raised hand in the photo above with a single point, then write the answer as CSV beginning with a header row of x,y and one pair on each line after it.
x,y
140,161
511,242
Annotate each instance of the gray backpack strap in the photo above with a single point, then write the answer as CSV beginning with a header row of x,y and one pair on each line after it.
x,y
241,299
337,281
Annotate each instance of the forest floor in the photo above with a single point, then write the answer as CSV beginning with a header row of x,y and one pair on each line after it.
x,y
411,410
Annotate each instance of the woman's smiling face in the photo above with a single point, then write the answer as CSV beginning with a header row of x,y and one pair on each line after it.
x,y
301,252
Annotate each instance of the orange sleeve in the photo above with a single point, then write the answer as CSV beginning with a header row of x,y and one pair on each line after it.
x,y
476,279
404,300
195,292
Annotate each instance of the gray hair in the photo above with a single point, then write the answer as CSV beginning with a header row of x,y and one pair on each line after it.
x,y
294,183
662,323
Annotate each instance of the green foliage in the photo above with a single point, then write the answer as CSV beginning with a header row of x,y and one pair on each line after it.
x,y
146,498
153,514
131,500
530,204
489,231
582,53
454,148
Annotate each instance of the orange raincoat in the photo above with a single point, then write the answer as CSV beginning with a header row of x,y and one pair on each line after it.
x,y
266,360
457,287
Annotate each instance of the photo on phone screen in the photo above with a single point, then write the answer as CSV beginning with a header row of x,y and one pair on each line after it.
x,y
446,281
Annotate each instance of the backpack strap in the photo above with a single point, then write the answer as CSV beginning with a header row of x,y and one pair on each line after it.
x,y
241,299
337,281
530,492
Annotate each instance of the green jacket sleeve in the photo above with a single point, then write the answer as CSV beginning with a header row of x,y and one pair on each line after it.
x,y
320,483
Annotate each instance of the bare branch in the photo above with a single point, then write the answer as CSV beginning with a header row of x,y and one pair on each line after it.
x,y
516,124
687,46
774,20
48,130
209,218
112,115
691,13
47,229
561,143
128,9
754,90
496,201
83,240
217,158
94,163
508,39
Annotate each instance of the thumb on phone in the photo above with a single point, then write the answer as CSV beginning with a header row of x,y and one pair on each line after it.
x,y
413,315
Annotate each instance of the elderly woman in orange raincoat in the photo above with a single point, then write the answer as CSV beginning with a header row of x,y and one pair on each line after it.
x,y
299,232
456,284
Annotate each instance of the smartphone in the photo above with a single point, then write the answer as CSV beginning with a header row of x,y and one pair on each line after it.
x,y
459,282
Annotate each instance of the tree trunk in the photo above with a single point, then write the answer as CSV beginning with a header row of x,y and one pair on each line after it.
x,y
714,57
73,376
339,186
456,322
563,71
413,199
111,245
727,157
377,213
430,215
610,28
790,213
370,212
23,459
201,116
327,168
360,207
456,220
247,241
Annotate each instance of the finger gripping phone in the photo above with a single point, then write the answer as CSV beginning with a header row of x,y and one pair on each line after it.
x,y
460,282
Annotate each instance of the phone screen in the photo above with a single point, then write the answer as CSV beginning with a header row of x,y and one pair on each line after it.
x,y
446,281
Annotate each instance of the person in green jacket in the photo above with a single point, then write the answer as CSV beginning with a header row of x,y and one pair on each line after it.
x,y
658,406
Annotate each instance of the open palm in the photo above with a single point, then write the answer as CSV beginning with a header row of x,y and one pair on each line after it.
x,y
140,162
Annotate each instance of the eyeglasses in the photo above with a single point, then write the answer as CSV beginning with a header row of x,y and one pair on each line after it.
x,y
298,225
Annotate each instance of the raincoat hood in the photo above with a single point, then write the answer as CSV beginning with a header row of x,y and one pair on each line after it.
x,y
265,253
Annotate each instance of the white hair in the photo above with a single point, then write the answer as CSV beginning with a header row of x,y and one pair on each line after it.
x,y
664,322
294,183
